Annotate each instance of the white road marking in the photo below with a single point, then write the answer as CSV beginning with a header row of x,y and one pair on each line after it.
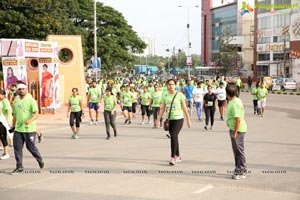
x,y
207,187
27,184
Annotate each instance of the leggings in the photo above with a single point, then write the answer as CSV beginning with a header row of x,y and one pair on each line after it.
x,y
77,117
3,135
175,127
134,107
156,113
210,112
145,109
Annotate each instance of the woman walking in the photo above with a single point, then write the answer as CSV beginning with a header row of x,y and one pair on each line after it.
x,y
209,104
176,117
75,111
110,114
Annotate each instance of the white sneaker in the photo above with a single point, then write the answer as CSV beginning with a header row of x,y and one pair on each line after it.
x,y
91,123
149,122
96,122
142,122
5,156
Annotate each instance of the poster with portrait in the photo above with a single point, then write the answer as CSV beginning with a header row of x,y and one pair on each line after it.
x,y
46,78
295,28
13,72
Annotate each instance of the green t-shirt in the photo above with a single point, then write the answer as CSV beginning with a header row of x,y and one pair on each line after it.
x,y
109,102
145,97
135,95
254,92
238,82
156,97
151,89
235,109
5,108
127,99
24,109
75,103
176,110
261,93
94,94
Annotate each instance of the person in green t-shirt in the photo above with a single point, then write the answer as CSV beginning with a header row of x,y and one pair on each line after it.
x,y
155,104
75,111
135,95
145,104
254,97
262,94
238,83
5,121
110,114
25,112
237,130
127,98
176,112
93,102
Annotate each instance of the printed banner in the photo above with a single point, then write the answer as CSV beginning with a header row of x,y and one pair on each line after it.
x,y
13,71
49,84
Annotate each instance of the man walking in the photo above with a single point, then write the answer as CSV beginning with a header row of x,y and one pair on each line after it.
x,y
93,101
237,131
188,91
25,113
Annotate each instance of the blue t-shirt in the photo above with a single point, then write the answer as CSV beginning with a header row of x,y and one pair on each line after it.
x,y
188,91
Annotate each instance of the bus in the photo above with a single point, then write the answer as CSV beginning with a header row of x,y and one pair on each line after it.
x,y
207,72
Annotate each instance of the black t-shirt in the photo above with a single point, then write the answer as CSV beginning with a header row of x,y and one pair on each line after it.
x,y
210,99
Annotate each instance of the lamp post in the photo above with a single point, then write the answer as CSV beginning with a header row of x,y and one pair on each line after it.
x,y
188,40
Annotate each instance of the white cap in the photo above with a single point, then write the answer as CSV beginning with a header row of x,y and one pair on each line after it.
x,y
21,86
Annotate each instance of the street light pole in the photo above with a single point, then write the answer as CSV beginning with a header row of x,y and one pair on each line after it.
x,y
188,38
95,35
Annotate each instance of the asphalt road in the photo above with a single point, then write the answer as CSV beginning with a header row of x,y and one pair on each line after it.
x,y
135,164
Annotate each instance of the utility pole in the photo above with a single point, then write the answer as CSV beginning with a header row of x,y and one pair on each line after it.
x,y
95,35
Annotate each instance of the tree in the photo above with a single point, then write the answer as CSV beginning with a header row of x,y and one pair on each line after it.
x,y
35,19
227,56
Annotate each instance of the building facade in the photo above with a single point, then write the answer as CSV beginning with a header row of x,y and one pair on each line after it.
x,y
215,20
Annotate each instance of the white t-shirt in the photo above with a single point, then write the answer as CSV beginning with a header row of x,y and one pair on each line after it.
x,y
198,93
221,93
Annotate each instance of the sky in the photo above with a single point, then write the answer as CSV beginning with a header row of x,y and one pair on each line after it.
x,y
164,21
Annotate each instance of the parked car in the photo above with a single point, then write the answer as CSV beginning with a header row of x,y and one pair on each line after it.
x,y
274,79
285,84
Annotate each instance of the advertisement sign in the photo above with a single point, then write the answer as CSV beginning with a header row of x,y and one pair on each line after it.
x,y
189,61
49,86
13,71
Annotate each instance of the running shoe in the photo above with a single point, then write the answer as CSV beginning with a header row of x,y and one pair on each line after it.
x,y
205,127
238,176
40,138
18,170
129,122
125,122
178,159
108,137
76,136
42,165
168,135
91,123
95,122
172,161
211,128
142,122
5,156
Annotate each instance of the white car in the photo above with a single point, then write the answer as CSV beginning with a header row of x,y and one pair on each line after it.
x,y
285,84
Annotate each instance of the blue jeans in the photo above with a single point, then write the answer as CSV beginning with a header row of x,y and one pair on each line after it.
x,y
199,109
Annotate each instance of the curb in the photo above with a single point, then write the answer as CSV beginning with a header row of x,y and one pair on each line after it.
x,y
278,92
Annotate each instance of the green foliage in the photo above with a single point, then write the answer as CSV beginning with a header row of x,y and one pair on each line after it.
x,y
35,19
227,55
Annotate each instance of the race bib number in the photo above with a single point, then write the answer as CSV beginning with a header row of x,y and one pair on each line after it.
x,y
172,109
94,97
210,103
108,107
74,107
126,100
